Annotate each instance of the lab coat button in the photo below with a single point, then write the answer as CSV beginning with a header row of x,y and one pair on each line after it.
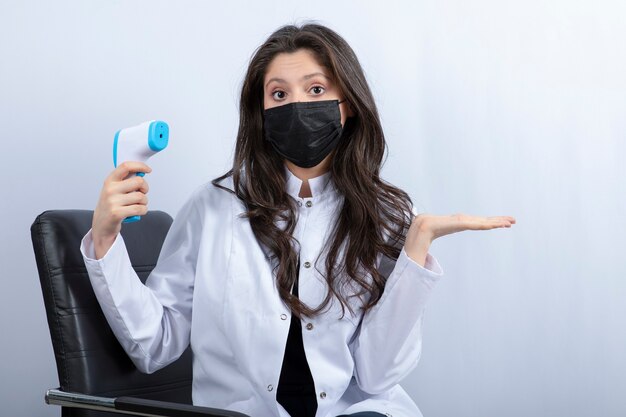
x,y
309,203
309,326
270,387
307,264
283,317
299,203
322,395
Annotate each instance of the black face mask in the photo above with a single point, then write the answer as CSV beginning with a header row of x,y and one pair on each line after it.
x,y
304,132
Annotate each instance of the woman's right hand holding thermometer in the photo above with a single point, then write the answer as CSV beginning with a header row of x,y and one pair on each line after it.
x,y
123,195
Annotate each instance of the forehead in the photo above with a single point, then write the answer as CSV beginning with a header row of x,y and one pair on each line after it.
x,y
293,65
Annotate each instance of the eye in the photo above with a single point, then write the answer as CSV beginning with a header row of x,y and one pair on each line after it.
x,y
317,90
278,95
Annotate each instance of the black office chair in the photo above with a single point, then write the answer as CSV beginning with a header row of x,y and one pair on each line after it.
x,y
95,374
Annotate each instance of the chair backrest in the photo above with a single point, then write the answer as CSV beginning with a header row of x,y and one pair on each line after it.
x,y
88,356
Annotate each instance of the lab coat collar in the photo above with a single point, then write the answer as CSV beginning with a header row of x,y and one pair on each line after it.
x,y
319,185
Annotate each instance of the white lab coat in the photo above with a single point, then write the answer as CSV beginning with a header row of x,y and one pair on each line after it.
x,y
213,287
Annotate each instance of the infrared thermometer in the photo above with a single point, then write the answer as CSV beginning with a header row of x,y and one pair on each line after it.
x,y
139,143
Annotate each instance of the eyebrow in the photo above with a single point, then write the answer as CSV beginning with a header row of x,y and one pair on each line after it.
x,y
306,77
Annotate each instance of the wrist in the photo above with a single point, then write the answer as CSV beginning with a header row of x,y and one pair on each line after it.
x,y
102,244
418,251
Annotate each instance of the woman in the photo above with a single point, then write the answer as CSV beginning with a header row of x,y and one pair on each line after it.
x,y
299,277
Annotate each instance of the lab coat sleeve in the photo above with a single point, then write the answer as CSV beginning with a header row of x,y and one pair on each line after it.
x,y
152,322
389,339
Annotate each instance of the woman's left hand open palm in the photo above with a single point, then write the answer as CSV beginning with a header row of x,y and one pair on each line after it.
x,y
428,227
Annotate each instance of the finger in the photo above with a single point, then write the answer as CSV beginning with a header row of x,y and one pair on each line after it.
x,y
129,199
500,221
131,184
467,222
508,219
128,211
128,167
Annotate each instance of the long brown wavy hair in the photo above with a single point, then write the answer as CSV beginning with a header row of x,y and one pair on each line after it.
x,y
375,215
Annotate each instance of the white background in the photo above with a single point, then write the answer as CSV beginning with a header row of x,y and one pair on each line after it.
x,y
489,108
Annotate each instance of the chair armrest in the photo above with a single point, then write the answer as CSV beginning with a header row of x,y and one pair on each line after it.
x,y
134,406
